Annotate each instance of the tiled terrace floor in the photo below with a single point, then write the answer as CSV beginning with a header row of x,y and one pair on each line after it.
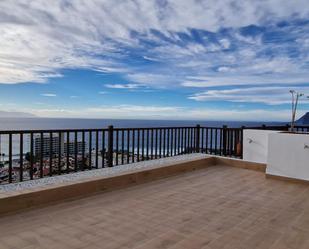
x,y
218,207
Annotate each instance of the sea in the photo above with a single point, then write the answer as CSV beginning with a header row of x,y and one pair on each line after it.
x,y
7,124
74,123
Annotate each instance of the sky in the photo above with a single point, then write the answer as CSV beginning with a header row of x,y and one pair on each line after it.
x,y
154,59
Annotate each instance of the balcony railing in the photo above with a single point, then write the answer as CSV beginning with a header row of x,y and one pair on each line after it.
x,y
32,154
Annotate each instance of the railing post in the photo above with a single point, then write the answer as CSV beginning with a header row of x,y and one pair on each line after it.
x,y
197,137
110,146
242,141
224,139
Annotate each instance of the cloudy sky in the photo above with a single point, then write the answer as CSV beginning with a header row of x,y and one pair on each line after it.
x,y
170,59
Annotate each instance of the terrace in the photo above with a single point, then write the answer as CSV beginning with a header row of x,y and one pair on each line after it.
x,y
187,200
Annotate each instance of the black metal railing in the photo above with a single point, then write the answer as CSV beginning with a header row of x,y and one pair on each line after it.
x,y
32,154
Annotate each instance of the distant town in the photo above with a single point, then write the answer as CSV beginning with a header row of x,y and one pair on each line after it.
x,y
52,156
55,156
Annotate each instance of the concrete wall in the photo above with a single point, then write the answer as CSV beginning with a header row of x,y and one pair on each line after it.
x,y
287,155
255,145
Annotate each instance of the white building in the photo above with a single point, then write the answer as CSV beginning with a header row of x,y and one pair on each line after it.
x,y
45,147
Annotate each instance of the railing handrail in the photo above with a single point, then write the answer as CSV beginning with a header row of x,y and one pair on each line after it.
x,y
2,132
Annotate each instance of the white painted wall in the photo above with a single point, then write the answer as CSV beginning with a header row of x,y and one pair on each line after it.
x,y
288,155
255,145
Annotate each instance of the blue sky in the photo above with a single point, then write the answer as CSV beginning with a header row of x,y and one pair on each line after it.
x,y
184,59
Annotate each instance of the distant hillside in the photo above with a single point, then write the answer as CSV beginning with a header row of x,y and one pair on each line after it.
x,y
5,114
304,120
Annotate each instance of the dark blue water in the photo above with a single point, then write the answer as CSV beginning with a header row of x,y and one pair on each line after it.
x,y
66,123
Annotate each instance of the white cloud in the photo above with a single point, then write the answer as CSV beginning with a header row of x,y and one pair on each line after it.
x,y
157,80
225,69
154,59
37,42
238,80
266,95
225,43
49,95
123,86
132,110
117,111
167,112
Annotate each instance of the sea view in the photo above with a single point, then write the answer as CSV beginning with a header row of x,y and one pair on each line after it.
x,y
70,123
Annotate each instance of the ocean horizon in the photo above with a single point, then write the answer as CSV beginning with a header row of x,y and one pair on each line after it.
x,y
38,123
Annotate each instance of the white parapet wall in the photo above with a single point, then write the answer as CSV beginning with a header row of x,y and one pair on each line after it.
x,y
288,155
255,145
